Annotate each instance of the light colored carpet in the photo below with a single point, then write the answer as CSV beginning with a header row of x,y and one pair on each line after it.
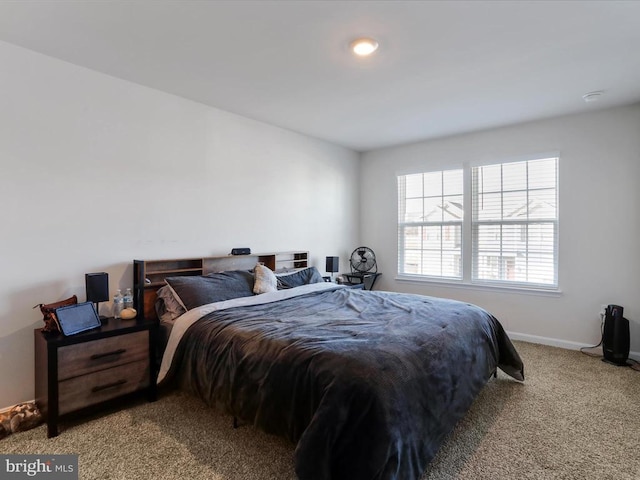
x,y
575,417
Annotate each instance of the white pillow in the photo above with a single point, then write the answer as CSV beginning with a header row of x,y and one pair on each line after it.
x,y
266,280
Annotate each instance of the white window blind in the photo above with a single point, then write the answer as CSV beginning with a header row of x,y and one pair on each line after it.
x,y
509,236
515,223
430,216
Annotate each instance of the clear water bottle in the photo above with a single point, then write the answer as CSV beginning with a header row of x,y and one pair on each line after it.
x,y
128,298
118,304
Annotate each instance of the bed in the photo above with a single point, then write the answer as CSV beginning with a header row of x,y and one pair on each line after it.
x,y
366,384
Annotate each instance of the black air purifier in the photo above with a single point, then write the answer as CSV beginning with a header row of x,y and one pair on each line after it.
x,y
615,338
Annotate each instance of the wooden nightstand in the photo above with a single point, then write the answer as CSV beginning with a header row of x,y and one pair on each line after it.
x,y
87,369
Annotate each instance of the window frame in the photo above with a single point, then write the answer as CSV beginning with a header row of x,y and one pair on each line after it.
x,y
403,225
468,280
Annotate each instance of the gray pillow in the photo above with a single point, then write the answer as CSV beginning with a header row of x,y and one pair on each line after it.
x,y
298,278
194,291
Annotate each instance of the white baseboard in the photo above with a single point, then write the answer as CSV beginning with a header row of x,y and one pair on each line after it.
x,y
555,342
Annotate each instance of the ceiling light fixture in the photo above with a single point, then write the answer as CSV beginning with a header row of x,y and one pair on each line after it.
x,y
364,46
593,96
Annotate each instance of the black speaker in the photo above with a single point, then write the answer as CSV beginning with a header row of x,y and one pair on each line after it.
x,y
615,338
97,287
240,251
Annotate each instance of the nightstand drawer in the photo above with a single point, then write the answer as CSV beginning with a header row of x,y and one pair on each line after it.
x,y
87,357
80,392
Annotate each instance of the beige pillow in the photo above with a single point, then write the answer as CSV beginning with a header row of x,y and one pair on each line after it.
x,y
172,303
266,280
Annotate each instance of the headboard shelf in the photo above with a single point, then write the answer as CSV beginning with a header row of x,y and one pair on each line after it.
x,y
175,270
149,275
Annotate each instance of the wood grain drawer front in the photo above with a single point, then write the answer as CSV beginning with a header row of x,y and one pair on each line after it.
x,y
83,358
80,392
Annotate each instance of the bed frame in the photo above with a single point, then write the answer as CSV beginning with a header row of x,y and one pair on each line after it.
x,y
149,275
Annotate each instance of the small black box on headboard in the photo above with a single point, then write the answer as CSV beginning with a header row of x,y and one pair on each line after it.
x,y
240,251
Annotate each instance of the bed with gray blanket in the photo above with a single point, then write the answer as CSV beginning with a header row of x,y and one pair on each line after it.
x,y
366,384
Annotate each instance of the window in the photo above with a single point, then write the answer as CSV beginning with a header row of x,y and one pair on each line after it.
x,y
515,222
431,211
512,218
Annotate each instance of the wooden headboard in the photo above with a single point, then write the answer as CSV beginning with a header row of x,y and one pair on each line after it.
x,y
149,275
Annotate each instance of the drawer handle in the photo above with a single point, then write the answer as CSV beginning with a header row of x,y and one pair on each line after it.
x,y
108,354
99,388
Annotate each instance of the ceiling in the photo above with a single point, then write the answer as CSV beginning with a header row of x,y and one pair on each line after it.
x,y
442,68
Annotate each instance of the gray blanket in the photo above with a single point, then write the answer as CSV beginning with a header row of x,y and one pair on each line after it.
x,y
367,384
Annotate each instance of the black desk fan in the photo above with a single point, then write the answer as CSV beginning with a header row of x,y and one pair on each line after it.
x,y
363,264
363,261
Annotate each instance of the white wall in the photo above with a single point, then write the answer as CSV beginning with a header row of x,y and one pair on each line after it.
x,y
599,219
96,171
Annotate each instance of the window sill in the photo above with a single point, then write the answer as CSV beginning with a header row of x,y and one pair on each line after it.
x,y
480,286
